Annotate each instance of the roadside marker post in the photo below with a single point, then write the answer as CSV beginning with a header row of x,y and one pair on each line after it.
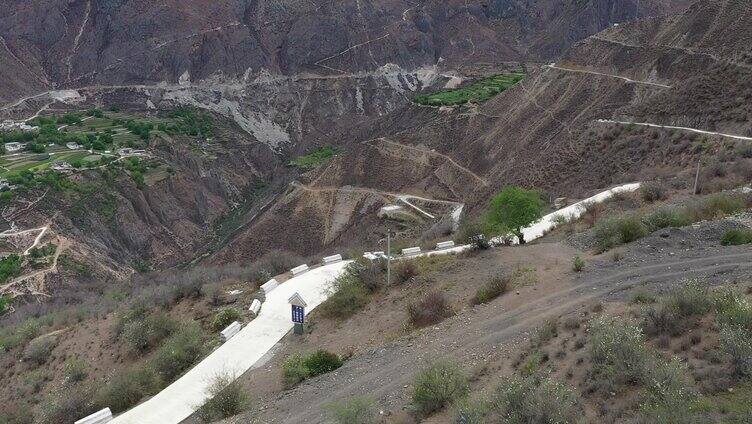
x,y
297,305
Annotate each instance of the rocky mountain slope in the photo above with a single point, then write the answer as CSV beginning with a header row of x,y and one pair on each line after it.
x,y
289,92
75,43
546,131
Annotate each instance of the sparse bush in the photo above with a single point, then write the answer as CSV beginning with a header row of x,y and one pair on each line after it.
x,y
178,352
578,264
546,332
226,399
665,218
716,206
67,404
532,399
348,295
592,213
353,410
652,191
737,343
371,273
692,299
293,370
736,237
475,233
492,289
144,334
39,350
225,317
672,315
16,413
610,232
668,397
744,149
297,368
617,351
127,388
321,362
432,309
531,363
74,370
438,385
405,271
642,298
733,310
213,293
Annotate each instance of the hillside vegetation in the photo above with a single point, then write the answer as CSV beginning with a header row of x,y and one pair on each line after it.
x,y
477,92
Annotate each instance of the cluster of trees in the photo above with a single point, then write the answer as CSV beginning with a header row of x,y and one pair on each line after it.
x,y
508,212
189,121
140,128
37,141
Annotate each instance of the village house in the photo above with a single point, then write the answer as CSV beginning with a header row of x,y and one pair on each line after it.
x,y
14,147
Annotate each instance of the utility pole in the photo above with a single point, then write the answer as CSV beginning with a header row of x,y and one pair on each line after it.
x,y
697,177
388,256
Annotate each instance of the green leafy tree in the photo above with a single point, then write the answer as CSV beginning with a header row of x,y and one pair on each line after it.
x,y
514,208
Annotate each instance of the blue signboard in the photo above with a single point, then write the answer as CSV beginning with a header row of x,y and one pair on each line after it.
x,y
298,314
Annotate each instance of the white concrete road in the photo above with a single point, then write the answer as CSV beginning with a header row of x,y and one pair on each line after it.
x,y
672,127
181,398
239,354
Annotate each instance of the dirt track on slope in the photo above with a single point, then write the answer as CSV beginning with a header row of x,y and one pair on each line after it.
x,y
487,334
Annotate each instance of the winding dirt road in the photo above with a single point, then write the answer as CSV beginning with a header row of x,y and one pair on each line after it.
x,y
476,335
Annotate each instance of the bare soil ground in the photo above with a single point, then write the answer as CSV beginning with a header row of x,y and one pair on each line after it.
x,y
484,339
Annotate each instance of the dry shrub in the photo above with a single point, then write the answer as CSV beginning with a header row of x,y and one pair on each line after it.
x,y
226,399
437,386
405,271
652,191
353,410
494,288
432,309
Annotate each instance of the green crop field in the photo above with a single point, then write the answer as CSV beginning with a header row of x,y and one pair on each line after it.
x,y
315,158
477,92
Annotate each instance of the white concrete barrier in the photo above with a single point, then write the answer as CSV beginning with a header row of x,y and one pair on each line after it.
x,y
332,259
230,331
269,286
368,255
379,254
411,251
255,306
100,417
444,245
299,269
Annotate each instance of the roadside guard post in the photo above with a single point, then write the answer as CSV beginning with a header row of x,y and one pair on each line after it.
x,y
298,312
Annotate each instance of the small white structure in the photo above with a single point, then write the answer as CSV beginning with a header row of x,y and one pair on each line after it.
x,y
411,251
72,145
255,307
14,147
299,269
125,151
8,125
100,417
60,165
444,245
230,331
234,292
269,286
332,259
